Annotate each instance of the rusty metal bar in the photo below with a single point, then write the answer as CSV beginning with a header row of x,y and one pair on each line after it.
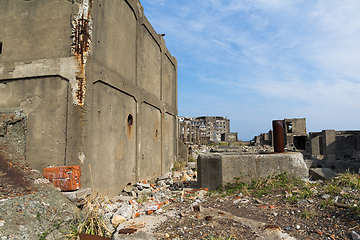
x,y
278,134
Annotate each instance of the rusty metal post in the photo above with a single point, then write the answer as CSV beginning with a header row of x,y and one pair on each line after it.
x,y
278,136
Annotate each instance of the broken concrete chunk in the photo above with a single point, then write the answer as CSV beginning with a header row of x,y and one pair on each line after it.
x,y
125,211
141,186
164,177
117,219
321,173
79,195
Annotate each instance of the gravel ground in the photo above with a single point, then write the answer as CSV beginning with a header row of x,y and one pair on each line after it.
x,y
305,219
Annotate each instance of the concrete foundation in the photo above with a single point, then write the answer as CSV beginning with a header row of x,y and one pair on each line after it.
x,y
218,169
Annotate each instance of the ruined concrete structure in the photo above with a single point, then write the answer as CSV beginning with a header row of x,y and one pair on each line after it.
x,y
206,128
295,133
338,150
295,136
229,137
97,84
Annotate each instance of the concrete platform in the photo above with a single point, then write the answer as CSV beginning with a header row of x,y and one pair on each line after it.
x,y
218,169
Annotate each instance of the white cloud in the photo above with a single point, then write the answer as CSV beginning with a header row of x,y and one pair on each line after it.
x,y
305,54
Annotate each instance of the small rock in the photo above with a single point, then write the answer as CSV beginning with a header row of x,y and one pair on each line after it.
x,y
161,184
128,189
325,196
302,202
117,219
142,185
355,235
125,211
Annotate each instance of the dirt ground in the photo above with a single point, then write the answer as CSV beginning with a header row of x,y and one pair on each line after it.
x,y
302,220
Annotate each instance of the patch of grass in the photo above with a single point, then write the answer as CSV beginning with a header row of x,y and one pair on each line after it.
x,y
308,214
191,159
348,179
332,189
264,186
223,144
90,220
178,166
326,203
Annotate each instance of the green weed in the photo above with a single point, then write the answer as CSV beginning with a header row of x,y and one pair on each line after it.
x,y
178,166
306,214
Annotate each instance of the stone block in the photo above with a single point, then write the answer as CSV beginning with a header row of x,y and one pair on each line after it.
x,y
321,173
218,169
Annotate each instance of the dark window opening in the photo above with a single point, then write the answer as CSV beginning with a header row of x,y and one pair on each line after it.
x,y
289,127
321,146
300,142
130,120
0,47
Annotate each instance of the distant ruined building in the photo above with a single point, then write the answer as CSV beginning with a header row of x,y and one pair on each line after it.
x,y
97,84
205,129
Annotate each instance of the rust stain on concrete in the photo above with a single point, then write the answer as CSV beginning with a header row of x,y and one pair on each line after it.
x,y
81,46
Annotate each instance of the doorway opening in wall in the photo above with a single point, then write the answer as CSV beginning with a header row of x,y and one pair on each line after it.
x,y
321,146
300,142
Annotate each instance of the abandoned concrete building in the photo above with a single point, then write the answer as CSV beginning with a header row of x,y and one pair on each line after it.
x,y
97,85
205,127
338,150
295,136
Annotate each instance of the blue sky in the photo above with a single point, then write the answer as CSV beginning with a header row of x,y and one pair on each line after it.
x,y
258,60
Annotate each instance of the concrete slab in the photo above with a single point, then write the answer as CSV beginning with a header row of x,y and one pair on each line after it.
x,y
321,173
218,169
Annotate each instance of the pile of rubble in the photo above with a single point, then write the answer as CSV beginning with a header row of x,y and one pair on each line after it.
x,y
143,200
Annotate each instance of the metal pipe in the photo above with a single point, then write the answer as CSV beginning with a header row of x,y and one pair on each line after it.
x,y
278,134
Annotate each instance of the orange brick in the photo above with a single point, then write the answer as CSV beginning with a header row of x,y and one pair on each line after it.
x,y
137,214
149,212
67,178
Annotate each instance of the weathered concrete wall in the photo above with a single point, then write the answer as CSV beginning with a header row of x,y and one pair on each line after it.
x,y
329,146
44,101
97,84
348,145
338,150
218,169
229,137
12,132
23,42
